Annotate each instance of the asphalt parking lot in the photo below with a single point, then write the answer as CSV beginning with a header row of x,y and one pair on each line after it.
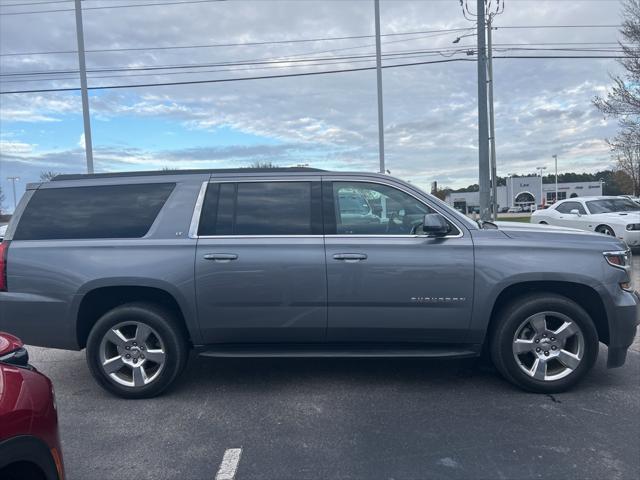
x,y
349,419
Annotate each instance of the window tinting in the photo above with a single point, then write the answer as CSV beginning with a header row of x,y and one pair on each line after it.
x,y
109,211
568,206
374,209
261,208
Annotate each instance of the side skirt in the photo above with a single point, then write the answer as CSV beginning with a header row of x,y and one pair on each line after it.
x,y
339,350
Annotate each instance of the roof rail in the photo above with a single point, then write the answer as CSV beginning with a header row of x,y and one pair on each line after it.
x,y
82,176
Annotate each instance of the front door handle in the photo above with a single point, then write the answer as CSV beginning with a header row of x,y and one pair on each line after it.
x,y
350,257
221,257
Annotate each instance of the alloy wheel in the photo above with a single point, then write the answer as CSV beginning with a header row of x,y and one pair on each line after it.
x,y
132,354
548,346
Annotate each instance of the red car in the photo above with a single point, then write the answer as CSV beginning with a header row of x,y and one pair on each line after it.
x,y
29,439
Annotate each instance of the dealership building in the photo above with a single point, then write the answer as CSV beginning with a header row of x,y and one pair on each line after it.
x,y
524,192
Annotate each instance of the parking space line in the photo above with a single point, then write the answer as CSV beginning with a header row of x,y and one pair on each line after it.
x,y
229,465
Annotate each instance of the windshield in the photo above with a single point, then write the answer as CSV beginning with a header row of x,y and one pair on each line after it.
x,y
448,208
612,205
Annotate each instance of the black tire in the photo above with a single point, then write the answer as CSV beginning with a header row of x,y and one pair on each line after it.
x,y
168,335
509,323
606,230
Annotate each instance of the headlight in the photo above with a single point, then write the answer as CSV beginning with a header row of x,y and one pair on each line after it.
x,y
619,259
633,226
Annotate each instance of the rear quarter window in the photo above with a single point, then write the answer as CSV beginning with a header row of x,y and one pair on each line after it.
x,y
105,211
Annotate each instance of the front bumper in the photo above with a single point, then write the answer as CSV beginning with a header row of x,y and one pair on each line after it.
x,y
631,237
624,318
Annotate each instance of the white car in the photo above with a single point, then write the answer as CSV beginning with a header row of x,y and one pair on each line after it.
x,y
515,210
615,216
3,230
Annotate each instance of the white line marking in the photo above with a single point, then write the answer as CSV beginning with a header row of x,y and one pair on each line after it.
x,y
229,465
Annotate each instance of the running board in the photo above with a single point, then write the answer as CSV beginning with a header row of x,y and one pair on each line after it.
x,y
337,350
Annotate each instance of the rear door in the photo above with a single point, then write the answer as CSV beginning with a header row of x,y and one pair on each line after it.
x,y
260,265
385,282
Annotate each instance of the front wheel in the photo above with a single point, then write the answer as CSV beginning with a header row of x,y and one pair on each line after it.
x,y
136,350
606,230
544,343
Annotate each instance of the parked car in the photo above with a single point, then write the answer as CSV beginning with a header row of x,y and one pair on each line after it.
x,y
614,216
140,268
29,439
3,229
515,210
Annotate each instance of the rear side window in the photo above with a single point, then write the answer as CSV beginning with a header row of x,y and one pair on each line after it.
x,y
566,207
262,208
106,211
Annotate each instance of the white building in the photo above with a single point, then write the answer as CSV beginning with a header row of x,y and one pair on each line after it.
x,y
525,191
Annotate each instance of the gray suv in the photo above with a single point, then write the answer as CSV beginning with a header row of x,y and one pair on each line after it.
x,y
141,268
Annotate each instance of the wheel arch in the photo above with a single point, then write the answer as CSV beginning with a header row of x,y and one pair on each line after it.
x,y
96,299
584,295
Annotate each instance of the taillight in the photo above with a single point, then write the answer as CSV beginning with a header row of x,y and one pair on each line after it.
x,y
4,248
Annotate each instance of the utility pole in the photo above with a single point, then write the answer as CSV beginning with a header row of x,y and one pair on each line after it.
x,y
13,181
555,157
540,169
379,74
492,128
483,130
83,88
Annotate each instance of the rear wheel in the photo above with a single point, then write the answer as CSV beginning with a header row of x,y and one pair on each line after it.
x,y
136,350
544,343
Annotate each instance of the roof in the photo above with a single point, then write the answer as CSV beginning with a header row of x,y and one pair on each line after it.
x,y
595,197
86,176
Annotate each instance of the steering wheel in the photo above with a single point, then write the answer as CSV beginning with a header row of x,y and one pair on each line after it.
x,y
416,225
394,223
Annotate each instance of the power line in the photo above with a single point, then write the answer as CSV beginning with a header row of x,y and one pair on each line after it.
x,y
112,7
304,74
243,44
32,3
278,60
238,79
335,61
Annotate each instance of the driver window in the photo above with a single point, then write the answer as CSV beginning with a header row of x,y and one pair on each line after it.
x,y
373,209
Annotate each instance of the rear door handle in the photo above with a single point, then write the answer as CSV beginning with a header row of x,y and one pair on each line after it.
x,y
350,257
221,257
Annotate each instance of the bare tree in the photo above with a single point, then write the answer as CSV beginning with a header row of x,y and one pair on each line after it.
x,y
625,148
259,164
1,199
623,99
48,176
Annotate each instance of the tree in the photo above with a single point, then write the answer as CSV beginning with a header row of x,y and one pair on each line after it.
x,y
625,148
259,164
623,99
48,176
1,199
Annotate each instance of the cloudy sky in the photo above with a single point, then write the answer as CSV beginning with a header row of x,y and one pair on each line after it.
x,y
543,106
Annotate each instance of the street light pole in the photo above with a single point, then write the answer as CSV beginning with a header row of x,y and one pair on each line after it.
x,y
483,128
555,157
379,82
83,87
13,181
492,130
540,169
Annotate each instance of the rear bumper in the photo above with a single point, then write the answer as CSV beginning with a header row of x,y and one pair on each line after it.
x,y
37,320
624,318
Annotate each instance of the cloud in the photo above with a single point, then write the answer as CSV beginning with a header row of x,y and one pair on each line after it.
x,y
543,107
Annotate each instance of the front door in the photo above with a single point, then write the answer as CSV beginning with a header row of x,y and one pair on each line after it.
x,y
260,267
387,283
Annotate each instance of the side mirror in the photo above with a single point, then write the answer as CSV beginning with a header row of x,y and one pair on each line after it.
x,y
575,211
435,225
